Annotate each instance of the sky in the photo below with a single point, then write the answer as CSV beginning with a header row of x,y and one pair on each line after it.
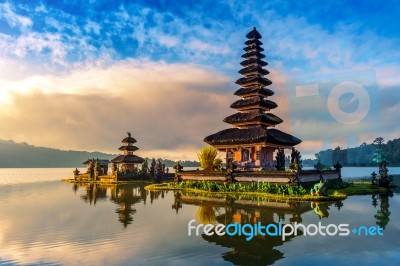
x,y
77,75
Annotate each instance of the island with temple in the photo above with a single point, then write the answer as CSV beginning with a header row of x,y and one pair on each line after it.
x,y
253,148
124,167
250,143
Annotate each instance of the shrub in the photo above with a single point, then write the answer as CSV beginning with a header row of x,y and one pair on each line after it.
x,y
207,156
239,187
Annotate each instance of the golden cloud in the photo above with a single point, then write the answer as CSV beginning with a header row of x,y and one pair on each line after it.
x,y
166,106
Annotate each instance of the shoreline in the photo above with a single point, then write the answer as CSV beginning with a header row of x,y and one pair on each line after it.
x,y
73,181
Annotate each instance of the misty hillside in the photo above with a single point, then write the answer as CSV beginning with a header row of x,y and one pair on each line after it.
x,y
23,155
20,155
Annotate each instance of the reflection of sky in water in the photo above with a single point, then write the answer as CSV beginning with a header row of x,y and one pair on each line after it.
x,y
367,250
49,222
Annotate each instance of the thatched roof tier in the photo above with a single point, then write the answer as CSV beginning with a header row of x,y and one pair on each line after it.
x,y
257,134
253,34
253,103
253,69
129,139
253,79
253,53
253,42
253,117
128,148
254,91
253,61
253,47
128,159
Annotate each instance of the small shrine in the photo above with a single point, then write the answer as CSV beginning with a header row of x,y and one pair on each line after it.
x,y
253,139
128,161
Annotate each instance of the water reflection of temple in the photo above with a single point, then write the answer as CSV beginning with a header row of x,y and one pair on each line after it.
x,y
261,250
125,196
94,192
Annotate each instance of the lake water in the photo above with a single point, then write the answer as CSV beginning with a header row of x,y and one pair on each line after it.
x,y
47,222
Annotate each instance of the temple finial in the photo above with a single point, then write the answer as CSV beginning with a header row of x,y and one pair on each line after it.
x,y
129,134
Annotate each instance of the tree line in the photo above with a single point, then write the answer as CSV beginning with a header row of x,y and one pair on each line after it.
x,y
362,155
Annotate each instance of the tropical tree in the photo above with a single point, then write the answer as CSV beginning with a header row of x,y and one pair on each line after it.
x,y
207,156
153,168
145,168
379,157
378,142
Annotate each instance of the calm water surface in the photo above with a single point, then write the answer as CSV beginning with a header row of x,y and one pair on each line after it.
x,y
47,222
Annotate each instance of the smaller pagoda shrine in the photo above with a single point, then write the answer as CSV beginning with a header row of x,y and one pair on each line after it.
x,y
127,162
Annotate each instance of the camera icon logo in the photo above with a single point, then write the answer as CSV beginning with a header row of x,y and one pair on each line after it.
x,y
326,108
359,95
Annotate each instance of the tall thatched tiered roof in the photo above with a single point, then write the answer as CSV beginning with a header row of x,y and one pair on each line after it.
x,y
253,121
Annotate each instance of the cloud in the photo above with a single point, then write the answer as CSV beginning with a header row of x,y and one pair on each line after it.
x,y
92,108
168,40
12,18
180,56
39,43
92,26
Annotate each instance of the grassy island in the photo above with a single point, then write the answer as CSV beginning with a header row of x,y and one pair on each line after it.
x,y
267,191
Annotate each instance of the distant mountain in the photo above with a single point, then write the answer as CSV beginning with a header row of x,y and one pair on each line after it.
x,y
23,155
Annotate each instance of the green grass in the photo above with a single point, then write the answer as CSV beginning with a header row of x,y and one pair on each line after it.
x,y
239,187
255,189
360,188
268,191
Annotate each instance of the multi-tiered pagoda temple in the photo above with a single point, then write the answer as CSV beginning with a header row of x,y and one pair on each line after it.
x,y
253,139
127,160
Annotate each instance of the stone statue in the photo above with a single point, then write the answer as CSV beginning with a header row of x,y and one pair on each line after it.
x,y
76,173
385,171
178,167
97,169
373,178
383,176
280,160
295,160
113,168
338,167
91,167
145,169
159,174
153,168
231,170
